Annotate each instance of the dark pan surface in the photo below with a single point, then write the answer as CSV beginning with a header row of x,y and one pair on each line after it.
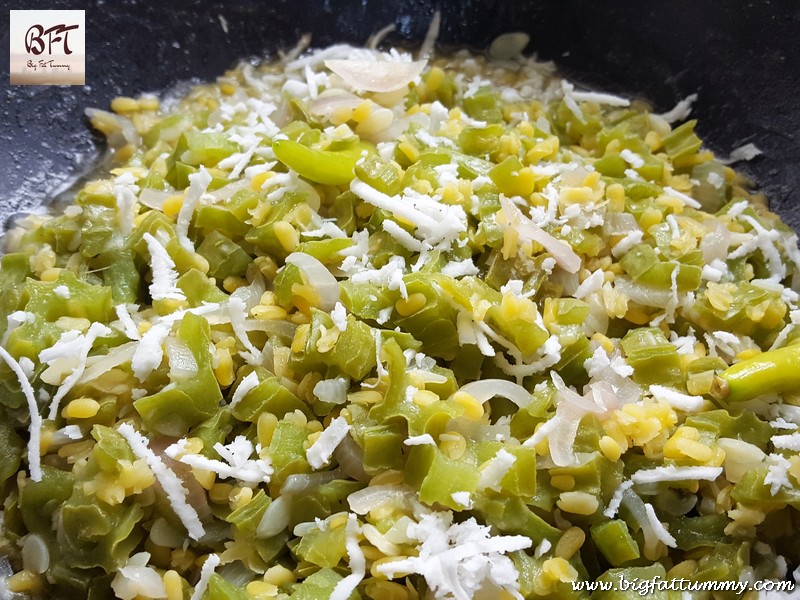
x,y
743,58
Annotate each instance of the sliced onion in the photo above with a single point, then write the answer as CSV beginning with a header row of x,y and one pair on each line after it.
x,y
137,579
350,457
377,539
251,294
297,484
35,554
275,518
162,533
616,223
569,282
154,198
226,191
426,48
427,376
97,365
586,403
332,100
376,76
376,38
740,457
625,390
604,395
182,363
268,359
508,46
486,389
319,277
563,431
59,369
117,129
306,527
333,391
196,497
638,512
563,254
374,496
715,243
598,315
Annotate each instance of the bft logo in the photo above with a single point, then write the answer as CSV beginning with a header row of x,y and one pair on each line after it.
x,y
35,42
48,47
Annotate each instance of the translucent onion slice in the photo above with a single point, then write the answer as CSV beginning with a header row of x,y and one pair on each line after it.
x,y
137,579
251,294
319,277
604,395
374,496
117,129
508,46
327,103
619,223
333,391
646,521
563,254
715,244
562,429
376,76
350,457
297,484
487,389
427,376
154,198
275,518
96,366
431,35
226,191
35,554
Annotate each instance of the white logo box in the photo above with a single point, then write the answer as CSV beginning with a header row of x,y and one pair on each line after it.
x,y
47,47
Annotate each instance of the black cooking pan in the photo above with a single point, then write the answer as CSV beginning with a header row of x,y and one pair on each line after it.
x,y
743,58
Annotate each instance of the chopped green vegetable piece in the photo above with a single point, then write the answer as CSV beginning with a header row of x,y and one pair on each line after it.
x,y
220,589
615,542
652,357
225,257
196,394
323,166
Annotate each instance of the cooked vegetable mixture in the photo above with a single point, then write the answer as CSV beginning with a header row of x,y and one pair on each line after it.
x,y
353,325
